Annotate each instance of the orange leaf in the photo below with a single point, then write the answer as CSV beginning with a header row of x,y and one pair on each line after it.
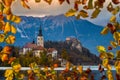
x,y
7,2
109,48
61,1
76,6
48,1
84,2
68,1
7,49
24,4
110,7
111,27
11,60
4,57
116,1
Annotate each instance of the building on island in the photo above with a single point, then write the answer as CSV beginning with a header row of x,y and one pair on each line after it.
x,y
38,47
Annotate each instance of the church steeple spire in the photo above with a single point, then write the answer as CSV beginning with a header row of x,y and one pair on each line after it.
x,y
40,39
40,31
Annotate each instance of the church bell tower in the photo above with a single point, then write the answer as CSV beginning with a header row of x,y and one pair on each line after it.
x,y
40,39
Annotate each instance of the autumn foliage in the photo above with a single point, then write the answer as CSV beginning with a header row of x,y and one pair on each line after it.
x,y
95,6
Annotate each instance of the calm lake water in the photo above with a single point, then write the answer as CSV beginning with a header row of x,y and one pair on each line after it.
x,y
94,69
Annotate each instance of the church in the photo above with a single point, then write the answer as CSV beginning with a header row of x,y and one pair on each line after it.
x,y
38,47
35,47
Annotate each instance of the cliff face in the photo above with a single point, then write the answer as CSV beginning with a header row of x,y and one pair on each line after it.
x,y
76,52
74,43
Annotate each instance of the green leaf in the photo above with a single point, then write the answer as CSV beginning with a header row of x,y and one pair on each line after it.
x,y
90,4
96,13
1,7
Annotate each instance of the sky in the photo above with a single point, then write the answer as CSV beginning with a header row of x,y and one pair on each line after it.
x,y
44,9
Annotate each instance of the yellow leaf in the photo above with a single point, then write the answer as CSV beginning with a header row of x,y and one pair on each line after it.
x,y
8,72
105,30
105,62
13,29
96,13
8,17
119,41
68,65
17,67
10,39
17,19
113,19
7,10
118,70
103,55
110,75
71,12
109,67
83,13
114,44
116,10
2,37
116,36
7,28
24,4
118,54
80,69
14,18
101,49
110,55
48,1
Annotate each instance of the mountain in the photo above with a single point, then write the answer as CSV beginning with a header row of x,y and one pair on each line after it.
x,y
58,28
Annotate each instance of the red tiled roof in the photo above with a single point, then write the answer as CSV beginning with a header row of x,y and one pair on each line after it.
x,y
39,48
33,46
51,49
30,45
